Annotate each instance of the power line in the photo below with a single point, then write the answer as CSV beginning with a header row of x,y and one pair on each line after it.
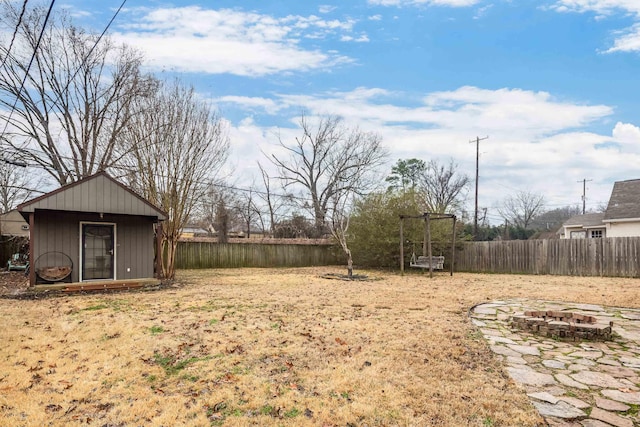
x,y
86,58
26,74
15,32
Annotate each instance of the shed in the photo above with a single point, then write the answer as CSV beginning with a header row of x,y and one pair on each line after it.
x,y
96,227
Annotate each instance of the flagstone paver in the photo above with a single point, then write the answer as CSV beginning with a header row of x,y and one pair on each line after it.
x,y
611,405
610,418
571,383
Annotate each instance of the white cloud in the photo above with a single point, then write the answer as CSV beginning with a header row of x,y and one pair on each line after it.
x,y
251,103
360,39
627,40
193,39
449,3
325,8
601,7
375,18
626,133
536,142
481,12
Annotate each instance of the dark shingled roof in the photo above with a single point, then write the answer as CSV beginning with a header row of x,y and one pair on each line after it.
x,y
625,200
586,220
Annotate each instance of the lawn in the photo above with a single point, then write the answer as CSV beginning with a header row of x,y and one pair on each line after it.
x,y
273,347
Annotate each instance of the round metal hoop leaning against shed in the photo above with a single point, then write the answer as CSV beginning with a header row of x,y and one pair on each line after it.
x,y
563,325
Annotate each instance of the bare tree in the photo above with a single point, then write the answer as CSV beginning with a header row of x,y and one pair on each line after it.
x,y
443,187
177,145
222,221
248,210
273,202
521,208
17,184
329,159
77,96
339,227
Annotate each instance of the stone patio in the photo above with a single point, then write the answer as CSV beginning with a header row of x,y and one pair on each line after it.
x,y
571,383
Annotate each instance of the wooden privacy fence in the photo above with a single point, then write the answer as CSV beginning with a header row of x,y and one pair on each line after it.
x,y
229,255
612,256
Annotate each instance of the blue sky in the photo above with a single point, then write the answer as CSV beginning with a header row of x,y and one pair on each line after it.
x,y
553,83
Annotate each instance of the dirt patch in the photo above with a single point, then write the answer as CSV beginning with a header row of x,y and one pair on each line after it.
x,y
13,282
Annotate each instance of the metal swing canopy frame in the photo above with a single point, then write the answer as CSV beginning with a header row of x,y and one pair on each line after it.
x,y
426,248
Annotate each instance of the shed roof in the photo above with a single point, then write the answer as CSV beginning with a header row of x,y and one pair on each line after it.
x,y
585,220
97,193
625,200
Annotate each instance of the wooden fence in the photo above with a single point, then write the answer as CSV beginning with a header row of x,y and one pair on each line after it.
x,y
612,256
229,255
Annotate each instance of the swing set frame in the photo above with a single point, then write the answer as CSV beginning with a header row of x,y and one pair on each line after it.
x,y
427,259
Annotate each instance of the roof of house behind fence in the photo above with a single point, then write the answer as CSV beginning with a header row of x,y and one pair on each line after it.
x,y
625,200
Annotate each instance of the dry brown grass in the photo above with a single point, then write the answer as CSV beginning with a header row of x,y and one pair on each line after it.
x,y
273,347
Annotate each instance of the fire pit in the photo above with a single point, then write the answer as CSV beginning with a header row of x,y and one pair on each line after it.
x,y
563,325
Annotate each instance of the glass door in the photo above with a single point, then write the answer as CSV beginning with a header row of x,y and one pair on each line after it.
x,y
97,251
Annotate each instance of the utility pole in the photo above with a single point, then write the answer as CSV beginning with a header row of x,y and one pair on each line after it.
x,y
475,216
584,194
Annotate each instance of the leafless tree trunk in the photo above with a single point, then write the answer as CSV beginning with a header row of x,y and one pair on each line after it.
x,y
218,207
222,221
77,98
177,144
339,227
521,208
329,159
248,210
273,203
442,186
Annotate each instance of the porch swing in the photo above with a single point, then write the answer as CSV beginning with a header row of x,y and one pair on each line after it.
x,y
421,261
427,259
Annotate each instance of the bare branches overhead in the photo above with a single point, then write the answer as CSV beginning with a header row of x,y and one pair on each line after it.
x,y
78,96
443,186
177,144
329,159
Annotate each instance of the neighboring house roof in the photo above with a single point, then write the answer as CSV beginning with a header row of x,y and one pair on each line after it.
x,y
13,224
194,229
586,220
625,200
96,193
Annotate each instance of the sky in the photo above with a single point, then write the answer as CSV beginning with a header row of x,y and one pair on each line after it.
x,y
553,84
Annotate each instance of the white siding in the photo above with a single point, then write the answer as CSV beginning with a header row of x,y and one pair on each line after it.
x,y
623,229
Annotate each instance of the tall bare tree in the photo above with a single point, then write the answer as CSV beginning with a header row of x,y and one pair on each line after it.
x,y
443,186
329,159
77,97
248,210
521,208
177,146
273,203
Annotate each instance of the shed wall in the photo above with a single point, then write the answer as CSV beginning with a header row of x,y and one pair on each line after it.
x,y
100,194
60,232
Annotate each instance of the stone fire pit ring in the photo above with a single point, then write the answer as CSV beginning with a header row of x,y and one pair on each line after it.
x,y
563,325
